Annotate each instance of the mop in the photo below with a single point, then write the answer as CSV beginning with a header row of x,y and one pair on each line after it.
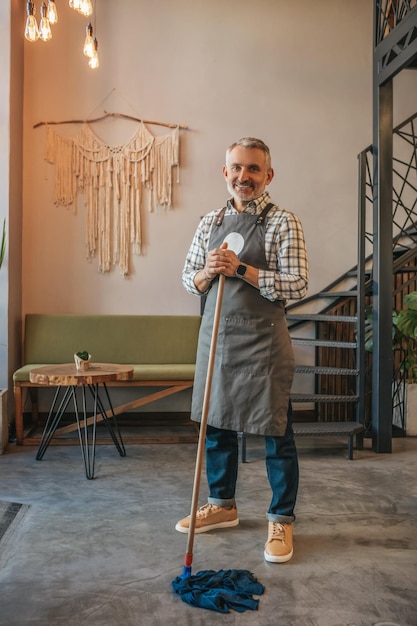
x,y
226,589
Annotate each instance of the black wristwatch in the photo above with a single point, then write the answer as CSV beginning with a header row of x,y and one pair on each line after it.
x,y
241,270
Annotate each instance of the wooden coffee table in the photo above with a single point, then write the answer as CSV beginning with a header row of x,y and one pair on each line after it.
x,y
68,379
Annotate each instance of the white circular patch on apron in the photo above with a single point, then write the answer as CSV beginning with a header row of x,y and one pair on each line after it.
x,y
235,242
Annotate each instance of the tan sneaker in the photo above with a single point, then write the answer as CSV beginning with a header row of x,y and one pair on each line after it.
x,y
278,548
209,517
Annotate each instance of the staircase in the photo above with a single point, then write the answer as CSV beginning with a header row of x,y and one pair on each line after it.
x,y
339,338
334,375
332,370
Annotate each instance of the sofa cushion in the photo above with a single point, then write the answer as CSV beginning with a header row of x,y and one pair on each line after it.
x,y
126,339
145,372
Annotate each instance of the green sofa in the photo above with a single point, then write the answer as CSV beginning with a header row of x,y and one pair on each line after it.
x,y
160,348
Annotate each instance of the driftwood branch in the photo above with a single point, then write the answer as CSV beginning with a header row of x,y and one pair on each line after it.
x,y
106,115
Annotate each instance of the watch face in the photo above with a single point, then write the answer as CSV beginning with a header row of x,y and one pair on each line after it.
x,y
241,270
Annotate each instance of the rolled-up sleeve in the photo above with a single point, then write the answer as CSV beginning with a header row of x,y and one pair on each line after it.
x,y
287,278
197,254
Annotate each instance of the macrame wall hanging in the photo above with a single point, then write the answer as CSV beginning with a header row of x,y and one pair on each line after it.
x,y
117,182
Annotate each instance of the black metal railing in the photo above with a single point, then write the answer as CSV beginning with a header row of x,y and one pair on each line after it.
x,y
404,200
389,14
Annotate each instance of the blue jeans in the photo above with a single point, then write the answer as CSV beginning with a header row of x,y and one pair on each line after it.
x,y
222,458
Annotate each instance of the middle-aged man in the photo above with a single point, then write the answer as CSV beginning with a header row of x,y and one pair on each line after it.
x,y
254,365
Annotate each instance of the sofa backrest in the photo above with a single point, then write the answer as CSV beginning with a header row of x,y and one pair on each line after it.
x,y
122,339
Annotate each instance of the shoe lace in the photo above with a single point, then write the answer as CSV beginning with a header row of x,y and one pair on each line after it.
x,y
277,531
205,510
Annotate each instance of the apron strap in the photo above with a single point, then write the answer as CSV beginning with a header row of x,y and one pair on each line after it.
x,y
220,216
264,213
259,220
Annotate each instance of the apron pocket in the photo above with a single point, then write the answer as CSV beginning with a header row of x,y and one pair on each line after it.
x,y
247,345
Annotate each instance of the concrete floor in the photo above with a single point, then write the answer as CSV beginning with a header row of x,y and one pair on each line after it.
x,y
104,552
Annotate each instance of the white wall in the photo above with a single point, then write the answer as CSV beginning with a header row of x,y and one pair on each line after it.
x,y
298,75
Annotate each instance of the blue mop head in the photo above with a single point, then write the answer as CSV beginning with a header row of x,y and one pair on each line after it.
x,y
219,591
186,571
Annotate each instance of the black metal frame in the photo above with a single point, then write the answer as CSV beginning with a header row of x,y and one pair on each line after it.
x,y
395,40
395,49
62,398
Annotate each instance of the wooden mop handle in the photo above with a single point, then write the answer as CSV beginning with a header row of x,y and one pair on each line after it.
x,y
204,416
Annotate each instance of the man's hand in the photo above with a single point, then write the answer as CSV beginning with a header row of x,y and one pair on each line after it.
x,y
221,261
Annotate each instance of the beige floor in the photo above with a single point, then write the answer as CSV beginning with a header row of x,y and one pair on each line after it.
x,y
104,552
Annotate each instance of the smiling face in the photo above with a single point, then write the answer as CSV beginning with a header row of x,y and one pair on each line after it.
x,y
246,173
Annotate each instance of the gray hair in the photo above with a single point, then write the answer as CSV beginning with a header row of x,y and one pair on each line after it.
x,y
252,142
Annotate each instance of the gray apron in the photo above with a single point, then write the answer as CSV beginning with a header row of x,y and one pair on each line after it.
x,y
254,365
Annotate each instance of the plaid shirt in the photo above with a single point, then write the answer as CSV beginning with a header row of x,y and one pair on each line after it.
x,y
285,252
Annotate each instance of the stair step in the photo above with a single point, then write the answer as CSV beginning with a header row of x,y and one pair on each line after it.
x,y
320,397
317,429
316,369
322,343
327,428
337,294
354,273
402,270
320,317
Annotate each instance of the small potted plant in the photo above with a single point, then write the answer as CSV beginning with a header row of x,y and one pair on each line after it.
x,y
82,360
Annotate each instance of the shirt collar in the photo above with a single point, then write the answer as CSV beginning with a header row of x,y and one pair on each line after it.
x,y
255,206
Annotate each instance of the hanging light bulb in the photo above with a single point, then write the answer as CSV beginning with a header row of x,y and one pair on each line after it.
x,y
52,12
85,7
31,29
75,4
94,61
45,32
89,42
